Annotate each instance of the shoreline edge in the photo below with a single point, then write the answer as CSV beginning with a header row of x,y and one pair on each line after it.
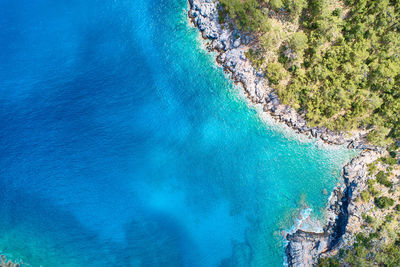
x,y
303,247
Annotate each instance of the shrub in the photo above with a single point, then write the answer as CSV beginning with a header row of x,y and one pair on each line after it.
x,y
328,262
365,196
382,178
256,57
384,202
391,161
372,190
389,218
372,168
369,219
276,72
337,12
298,41
378,136
276,3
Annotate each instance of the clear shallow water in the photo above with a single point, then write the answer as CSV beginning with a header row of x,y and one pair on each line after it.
x,y
121,144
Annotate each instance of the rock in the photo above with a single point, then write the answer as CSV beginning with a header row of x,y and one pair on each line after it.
x,y
313,132
193,13
217,44
236,43
304,247
5,263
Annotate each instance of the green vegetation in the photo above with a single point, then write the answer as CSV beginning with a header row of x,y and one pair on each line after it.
x,y
370,249
343,67
389,160
382,178
365,196
351,68
397,207
371,188
256,58
298,42
372,168
369,219
384,202
247,14
276,72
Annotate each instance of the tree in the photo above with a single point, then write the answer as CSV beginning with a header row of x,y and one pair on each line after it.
x,y
276,4
276,72
384,202
382,178
298,41
319,7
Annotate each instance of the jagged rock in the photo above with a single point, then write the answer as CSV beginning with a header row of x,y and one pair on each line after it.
x,y
236,43
301,249
304,247
193,13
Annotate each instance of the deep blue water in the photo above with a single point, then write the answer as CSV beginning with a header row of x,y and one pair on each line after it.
x,y
121,144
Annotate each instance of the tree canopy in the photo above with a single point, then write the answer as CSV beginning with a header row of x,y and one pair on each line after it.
x,y
346,70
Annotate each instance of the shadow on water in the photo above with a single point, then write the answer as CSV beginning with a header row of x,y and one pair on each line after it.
x,y
39,233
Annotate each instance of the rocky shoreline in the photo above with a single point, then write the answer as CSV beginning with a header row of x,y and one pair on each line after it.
x,y
230,45
304,248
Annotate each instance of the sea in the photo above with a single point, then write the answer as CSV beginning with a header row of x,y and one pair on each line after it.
x,y
123,144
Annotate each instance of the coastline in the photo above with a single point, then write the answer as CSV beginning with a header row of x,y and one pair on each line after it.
x,y
303,247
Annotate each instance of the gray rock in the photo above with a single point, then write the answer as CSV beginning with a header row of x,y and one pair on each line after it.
x,y
193,13
236,43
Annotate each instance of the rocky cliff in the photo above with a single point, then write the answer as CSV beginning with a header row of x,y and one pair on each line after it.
x,y
304,248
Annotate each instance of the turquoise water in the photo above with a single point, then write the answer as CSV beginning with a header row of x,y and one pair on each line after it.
x,y
123,145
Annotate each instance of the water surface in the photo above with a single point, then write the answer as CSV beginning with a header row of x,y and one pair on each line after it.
x,y
121,144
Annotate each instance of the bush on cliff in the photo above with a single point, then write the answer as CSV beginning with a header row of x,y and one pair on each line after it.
x,y
276,72
328,262
298,41
382,178
365,254
365,196
384,202
247,14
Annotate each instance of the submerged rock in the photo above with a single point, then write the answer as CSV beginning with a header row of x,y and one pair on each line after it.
x,y
5,263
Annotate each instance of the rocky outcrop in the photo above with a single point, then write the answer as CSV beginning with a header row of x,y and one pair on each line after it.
x,y
304,248
7,263
231,46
